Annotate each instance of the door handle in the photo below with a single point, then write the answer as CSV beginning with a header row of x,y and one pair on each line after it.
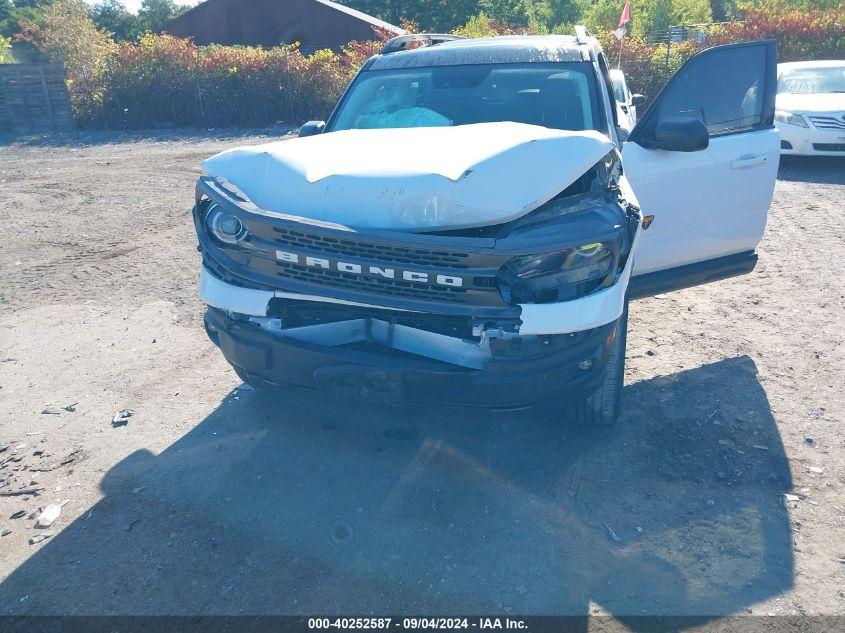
x,y
747,161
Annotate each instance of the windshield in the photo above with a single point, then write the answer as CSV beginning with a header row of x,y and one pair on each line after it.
x,y
558,95
805,81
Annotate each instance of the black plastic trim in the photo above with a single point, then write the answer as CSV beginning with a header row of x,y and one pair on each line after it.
x,y
509,382
691,275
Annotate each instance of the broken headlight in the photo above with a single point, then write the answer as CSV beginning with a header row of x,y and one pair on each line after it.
x,y
558,275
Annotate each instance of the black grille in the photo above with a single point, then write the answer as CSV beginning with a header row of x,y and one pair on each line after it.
x,y
376,285
370,250
295,313
829,147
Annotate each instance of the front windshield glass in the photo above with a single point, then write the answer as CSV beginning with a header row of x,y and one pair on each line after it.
x,y
806,81
558,95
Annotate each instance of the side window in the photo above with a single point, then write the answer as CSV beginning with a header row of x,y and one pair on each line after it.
x,y
730,89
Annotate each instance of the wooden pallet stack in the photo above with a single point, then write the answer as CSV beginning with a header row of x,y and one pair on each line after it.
x,y
34,98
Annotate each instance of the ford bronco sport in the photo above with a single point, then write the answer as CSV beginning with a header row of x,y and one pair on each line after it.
x,y
469,224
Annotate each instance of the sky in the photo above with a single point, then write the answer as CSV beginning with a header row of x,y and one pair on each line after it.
x,y
133,5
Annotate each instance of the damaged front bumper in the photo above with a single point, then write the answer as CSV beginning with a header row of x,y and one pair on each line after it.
x,y
560,351
367,360
435,320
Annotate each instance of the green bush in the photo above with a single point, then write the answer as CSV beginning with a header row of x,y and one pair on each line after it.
x,y
801,35
161,80
5,50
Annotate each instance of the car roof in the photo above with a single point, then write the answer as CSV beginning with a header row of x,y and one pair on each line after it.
x,y
820,63
503,49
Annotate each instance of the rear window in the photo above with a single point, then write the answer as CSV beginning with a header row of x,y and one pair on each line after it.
x,y
555,95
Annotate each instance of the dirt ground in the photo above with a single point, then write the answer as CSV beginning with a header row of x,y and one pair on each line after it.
x,y
219,500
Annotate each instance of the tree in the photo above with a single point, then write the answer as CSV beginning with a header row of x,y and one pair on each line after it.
x,y
67,33
155,14
505,11
6,21
11,13
691,12
738,9
112,16
649,18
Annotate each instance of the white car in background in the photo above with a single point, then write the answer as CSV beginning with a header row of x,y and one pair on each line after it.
x,y
626,103
810,108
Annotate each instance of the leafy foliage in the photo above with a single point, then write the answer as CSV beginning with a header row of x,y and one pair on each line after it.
x,y
5,50
112,16
801,34
155,14
447,15
163,80
65,33
648,17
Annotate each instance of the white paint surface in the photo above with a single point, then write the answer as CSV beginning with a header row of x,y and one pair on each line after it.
x,y
413,178
219,294
548,318
705,204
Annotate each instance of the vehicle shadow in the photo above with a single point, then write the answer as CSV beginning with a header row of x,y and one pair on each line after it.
x,y
292,505
829,170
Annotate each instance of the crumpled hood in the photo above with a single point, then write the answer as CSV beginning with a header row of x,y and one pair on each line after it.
x,y
822,102
412,178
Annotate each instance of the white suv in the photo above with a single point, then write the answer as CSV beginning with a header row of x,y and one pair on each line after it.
x,y
468,226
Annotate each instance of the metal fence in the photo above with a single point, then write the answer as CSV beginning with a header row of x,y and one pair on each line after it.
x,y
34,98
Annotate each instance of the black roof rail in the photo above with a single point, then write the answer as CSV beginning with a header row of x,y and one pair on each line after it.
x,y
400,42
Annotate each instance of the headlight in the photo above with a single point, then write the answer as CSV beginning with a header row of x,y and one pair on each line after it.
x,y
224,226
787,117
557,276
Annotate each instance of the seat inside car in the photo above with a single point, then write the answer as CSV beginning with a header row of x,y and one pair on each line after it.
x,y
561,104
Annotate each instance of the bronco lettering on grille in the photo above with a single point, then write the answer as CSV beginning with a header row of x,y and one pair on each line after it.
x,y
376,271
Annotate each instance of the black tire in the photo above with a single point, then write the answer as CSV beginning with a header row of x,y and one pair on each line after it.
x,y
604,406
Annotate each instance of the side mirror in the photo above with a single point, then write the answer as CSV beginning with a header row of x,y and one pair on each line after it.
x,y
680,134
637,100
311,128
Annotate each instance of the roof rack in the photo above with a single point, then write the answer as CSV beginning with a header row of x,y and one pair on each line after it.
x,y
582,34
400,42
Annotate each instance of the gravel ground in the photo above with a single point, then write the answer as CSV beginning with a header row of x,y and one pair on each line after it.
x,y
214,499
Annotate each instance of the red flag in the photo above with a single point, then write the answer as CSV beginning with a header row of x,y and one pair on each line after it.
x,y
626,15
623,21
